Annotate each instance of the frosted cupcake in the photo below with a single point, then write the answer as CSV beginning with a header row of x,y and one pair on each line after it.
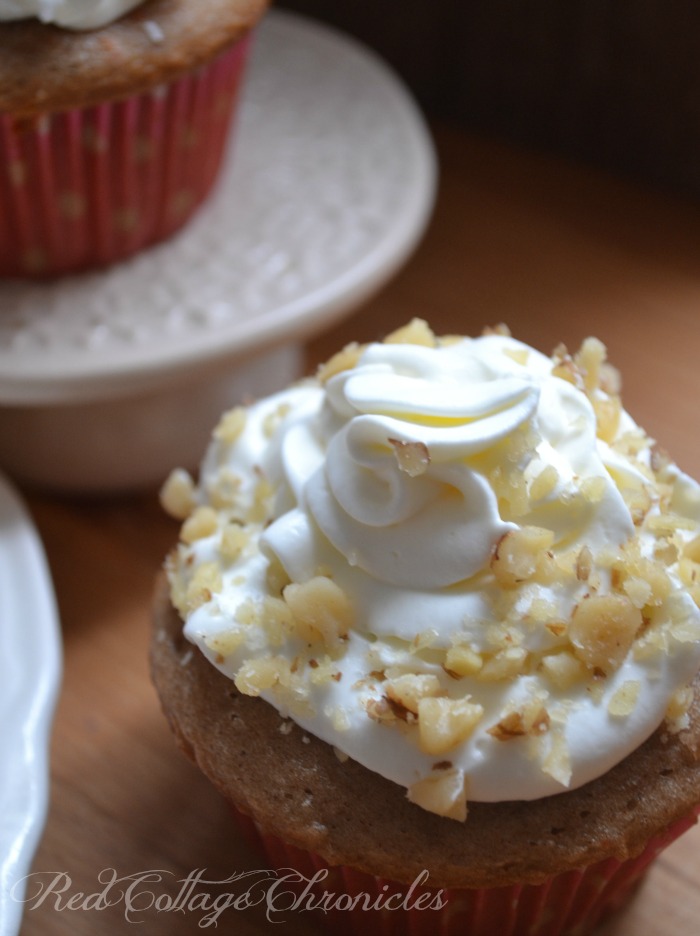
x,y
114,115
445,609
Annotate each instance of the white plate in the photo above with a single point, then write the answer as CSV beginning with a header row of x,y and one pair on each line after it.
x,y
30,667
326,191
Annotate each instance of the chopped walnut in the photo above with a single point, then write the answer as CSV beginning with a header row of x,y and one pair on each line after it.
x,y
234,539
413,458
444,723
177,496
545,482
341,361
500,329
381,710
200,524
231,425
320,610
226,643
566,369
463,661
638,501
602,630
204,583
624,700
504,665
519,355
584,564
563,669
272,421
409,689
608,411
417,332
261,508
518,553
589,359
533,720
678,707
257,675
444,793
593,489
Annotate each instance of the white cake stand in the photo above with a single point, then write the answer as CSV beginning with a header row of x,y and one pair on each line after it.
x,y
107,380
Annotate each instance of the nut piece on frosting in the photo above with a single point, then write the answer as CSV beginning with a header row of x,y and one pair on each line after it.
x,y
444,793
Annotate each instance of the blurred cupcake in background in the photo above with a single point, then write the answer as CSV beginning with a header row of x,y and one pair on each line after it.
x,y
114,116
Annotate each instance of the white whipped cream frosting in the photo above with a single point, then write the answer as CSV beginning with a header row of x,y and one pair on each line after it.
x,y
411,550
70,14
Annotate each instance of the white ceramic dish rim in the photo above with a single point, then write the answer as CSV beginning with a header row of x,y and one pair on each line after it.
x,y
30,635
84,375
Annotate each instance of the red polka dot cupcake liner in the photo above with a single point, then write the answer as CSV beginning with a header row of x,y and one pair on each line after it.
x,y
353,903
90,186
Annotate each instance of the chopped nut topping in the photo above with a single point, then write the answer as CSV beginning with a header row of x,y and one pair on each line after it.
x,y
417,332
409,689
567,370
463,661
660,459
589,359
584,563
607,413
444,794
203,584
533,720
224,644
678,707
602,630
261,508
273,419
234,539
593,489
223,491
563,669
557,763
177,496
638,501
255,676
202,523
413,458
444,723
519,355
517,554
231,425
320,610
624,700
341,361
545,482
504,665
500,329
381,710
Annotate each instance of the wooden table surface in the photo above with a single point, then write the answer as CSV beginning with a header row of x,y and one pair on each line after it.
x,y
557,252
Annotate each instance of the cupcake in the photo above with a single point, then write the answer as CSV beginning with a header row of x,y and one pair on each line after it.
x,y
114,116
432,628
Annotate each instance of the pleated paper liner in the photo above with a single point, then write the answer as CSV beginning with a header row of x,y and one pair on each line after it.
x,y
87,187
353,903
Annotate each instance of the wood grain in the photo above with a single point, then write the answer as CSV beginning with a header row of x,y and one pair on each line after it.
x,y
558,253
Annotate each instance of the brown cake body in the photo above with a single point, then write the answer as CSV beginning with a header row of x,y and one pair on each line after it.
x,y
45,69
300,791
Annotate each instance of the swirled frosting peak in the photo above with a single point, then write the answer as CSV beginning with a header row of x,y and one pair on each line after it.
x,y
71,14
459,561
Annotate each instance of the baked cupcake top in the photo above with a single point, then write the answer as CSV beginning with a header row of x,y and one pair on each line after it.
x,y
458,561
45,69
